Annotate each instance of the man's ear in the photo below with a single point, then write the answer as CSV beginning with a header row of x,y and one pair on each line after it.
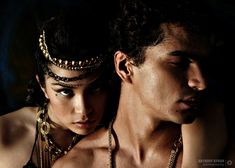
x,y
123,66
43,88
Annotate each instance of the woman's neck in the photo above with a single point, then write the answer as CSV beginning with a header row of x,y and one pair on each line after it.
x,y
57,131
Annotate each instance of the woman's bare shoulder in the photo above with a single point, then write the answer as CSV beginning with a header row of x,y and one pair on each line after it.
x,y
22,112
17,135
17,124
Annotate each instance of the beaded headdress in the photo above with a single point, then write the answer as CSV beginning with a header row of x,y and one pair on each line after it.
x,y
91,63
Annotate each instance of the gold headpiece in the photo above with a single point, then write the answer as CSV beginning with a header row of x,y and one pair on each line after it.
x,y
70,65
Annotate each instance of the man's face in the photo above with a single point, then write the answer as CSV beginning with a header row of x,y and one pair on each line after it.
x,y
168,83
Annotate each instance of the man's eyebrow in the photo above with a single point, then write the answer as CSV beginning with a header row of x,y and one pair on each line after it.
x,y
182,54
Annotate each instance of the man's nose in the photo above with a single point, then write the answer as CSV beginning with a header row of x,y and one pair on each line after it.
x,y
196,79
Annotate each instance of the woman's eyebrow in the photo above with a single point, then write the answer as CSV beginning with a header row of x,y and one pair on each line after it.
x,y
66,85
98,81
94,82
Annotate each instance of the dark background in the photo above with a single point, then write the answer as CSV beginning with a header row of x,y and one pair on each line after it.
x,y
19,20
18,23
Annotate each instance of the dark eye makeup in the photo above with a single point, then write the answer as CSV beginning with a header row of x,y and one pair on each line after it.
x,y
67,92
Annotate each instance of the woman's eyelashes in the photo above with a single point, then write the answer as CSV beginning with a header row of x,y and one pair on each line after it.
x,y
90,90
65,92
68,91
96,88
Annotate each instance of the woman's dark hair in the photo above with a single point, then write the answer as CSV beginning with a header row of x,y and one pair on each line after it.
x,y
80,33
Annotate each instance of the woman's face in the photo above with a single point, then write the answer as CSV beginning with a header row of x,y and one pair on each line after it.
x,y
77,105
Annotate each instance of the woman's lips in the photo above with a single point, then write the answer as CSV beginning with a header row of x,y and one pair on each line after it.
x,y
83,124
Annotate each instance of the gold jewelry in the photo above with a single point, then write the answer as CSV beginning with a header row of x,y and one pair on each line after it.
x,y
110,144
39,116
42,118
172,159
45,128
56,150
49,72
93,62
174,152
49,150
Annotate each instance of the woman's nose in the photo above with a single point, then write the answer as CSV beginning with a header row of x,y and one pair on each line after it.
x,y
81,105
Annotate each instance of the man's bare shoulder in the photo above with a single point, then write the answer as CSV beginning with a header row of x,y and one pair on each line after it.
x,y
77,156
86,151
97,139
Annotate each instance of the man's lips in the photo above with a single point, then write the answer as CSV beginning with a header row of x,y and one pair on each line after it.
x,y
191,102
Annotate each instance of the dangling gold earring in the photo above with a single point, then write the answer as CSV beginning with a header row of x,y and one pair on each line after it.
x,y
45,128
42,119
39,116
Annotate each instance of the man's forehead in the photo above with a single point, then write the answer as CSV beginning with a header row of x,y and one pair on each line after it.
x,y
181,32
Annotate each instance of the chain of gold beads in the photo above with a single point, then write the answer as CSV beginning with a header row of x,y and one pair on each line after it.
x,y
70,65
172,159
44,128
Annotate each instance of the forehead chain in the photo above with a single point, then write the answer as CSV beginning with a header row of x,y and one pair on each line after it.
x,y
92,62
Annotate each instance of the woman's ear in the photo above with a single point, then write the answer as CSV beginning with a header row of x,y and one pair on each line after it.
x,y
123,66
43,88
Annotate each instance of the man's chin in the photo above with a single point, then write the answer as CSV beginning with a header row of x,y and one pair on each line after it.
x,y
188,118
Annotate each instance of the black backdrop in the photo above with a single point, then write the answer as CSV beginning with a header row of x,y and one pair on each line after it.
x,y
17,35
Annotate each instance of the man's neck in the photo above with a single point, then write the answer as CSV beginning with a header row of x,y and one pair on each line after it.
x,y
139,133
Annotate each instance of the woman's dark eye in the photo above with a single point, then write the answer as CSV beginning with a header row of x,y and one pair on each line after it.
x,y
66,92
97,88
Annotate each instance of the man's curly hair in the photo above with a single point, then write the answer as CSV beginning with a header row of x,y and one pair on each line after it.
x,y
138,24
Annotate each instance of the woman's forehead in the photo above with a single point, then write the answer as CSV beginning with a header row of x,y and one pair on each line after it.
x,y
73,76
73,84
65,72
